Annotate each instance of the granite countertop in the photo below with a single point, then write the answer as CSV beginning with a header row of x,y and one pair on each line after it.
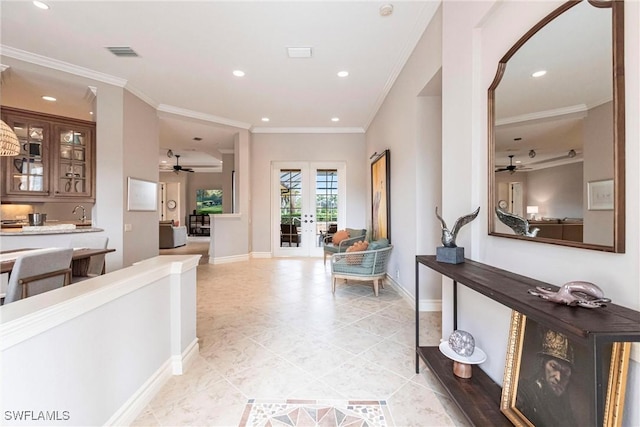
x,y
55,228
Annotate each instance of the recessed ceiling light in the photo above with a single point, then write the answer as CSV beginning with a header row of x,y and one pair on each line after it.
x,y
163,161
539,73
48,98
343,73
238,73
518,161
91,112
41,5
265,119
335,119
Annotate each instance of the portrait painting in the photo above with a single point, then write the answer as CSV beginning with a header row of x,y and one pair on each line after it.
x,y
380,198
549,377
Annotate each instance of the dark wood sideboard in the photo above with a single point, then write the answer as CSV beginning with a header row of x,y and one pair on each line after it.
x,y
479,397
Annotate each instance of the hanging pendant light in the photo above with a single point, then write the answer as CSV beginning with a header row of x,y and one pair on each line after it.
x,y
9,144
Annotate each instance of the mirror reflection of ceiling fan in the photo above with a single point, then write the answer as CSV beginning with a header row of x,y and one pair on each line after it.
x,y
511,168
177,168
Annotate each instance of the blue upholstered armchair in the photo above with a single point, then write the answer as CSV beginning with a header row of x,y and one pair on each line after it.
x,y
369,265
355,235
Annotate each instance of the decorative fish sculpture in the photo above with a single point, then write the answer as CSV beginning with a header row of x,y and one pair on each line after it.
x,y
583,294
449,236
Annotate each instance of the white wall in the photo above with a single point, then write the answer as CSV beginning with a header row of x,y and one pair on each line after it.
x,y
266,148
409,124
557,191
141,135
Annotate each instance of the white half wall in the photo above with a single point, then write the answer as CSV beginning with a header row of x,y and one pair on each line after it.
x,y
95,353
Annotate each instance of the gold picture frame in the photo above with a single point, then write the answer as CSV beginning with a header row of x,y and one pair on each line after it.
x,y
380,197
532,352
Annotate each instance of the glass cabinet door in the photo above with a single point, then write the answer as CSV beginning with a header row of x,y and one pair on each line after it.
x,y
73,172
28,171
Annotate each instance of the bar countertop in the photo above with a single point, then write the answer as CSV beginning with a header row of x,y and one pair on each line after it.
x,y
44,230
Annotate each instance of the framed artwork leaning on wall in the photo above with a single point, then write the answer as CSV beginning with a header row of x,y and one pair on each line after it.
x,y
548,378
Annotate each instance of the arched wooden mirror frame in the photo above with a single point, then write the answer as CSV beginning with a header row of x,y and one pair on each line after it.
x,y
617,7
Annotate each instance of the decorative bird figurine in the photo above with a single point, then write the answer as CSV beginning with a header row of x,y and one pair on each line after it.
x,y
449,236
518,224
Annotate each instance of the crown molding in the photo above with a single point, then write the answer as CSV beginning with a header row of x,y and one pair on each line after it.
x,y
61,66
202,116
307,130
580,110
422,22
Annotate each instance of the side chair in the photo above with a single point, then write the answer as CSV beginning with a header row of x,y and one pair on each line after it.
x,y
96,263
38,273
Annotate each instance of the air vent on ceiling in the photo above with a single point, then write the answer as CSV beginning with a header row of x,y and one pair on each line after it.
x,y
299,52
122,51
197,138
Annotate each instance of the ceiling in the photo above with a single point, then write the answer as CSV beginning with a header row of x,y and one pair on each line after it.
x,y
546,114
189,50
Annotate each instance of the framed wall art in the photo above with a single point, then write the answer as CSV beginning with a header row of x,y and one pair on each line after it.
x,y
141,195
548,378
380,197
600,195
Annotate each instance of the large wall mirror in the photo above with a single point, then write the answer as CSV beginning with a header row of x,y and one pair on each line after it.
x,y
556,130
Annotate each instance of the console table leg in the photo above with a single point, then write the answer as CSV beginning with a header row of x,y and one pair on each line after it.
x,y
455,305
417,300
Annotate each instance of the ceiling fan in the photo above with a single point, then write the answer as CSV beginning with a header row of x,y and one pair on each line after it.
x,y
511,168
177,168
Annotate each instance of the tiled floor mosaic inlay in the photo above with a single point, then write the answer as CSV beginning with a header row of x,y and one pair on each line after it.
x,y
328,413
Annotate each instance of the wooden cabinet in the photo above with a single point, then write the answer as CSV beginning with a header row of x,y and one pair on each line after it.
x,y
199,225
56,159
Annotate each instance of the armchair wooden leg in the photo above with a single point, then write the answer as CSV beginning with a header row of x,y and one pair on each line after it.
x,y
325,258
333,285
375,286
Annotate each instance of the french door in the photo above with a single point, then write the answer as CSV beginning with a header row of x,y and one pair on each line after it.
x,y
308,198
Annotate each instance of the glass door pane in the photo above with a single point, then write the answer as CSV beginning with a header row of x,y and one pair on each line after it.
x,y
307,206
291,198
326,204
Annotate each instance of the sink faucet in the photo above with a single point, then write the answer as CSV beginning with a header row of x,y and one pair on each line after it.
x,y
83,218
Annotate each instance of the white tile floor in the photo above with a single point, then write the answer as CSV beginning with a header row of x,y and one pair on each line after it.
x,y
272,329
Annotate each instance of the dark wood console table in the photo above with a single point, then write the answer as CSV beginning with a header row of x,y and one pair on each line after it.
x,y
479,396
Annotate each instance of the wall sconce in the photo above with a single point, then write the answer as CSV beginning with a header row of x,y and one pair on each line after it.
x,y
9,144
532,210
571,153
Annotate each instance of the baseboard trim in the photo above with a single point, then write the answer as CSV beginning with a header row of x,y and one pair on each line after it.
x,y
179,364
228,259
133,407
424,304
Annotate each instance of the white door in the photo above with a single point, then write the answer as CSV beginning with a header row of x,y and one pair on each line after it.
x,y
515,198
307,199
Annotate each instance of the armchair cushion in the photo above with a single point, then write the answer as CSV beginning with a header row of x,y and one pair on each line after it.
x,y
339,236
356,247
